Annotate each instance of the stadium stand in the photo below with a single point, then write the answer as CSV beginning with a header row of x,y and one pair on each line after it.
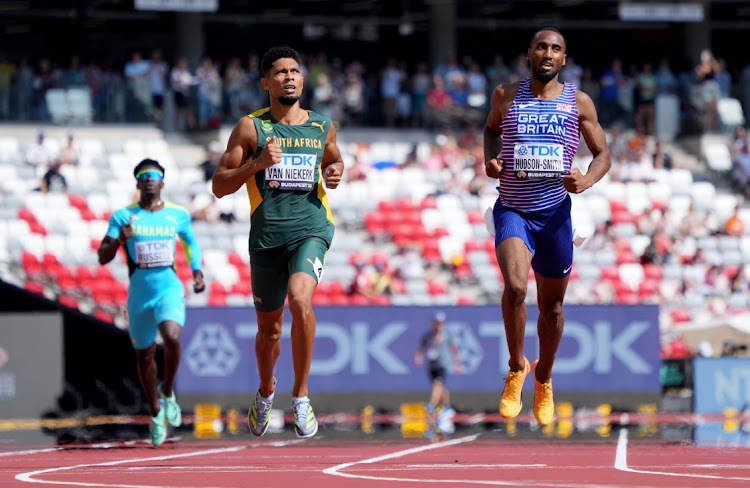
x,y
424,228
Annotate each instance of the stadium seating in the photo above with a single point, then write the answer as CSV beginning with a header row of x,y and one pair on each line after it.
x,y
434,241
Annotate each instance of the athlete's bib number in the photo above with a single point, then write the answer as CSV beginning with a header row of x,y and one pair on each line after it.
x,y
538,160
153,254
293,172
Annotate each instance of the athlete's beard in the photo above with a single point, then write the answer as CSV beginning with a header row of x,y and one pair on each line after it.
x,y
288,99
545,76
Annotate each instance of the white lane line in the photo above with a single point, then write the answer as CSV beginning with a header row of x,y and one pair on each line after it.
x,y
336,470
30,451
621,463
29,477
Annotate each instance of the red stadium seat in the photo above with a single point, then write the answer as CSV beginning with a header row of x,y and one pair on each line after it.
x,y
680,315
242,288
428,202
386,206
37,228
320,299
381,300
216,288
104,316
68,301
653,271
648,288
475,217
235,259
437,288
26,214
34,287
358,300
404,204
217,300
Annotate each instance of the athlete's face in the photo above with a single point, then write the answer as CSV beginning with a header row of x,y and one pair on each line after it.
x,y
150,185
284,81
546,55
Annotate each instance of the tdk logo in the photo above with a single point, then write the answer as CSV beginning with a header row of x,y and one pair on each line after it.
x,y
298,159
542,150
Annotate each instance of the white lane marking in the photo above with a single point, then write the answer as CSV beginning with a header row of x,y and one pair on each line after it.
x,y
29,477
336,470
30,451
621,463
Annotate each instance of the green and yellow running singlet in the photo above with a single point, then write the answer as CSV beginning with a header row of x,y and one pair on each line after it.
x,y
288,201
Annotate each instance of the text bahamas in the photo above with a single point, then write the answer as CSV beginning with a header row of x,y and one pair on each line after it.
x,y
154,230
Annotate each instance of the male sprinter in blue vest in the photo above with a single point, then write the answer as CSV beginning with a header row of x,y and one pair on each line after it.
x,y
530,138
156,299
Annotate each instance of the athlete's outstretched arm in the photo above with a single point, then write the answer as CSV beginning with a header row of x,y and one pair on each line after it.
x,y
235,166
332,164
596,141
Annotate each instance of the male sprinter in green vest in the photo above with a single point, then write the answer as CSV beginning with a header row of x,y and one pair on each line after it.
x,y
283,155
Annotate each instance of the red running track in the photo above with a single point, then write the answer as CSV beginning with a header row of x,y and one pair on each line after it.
x,y
464,461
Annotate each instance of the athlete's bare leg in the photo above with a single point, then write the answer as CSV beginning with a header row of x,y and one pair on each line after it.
x,y
268,347
514,259
301,289
170,333
550,292
146,365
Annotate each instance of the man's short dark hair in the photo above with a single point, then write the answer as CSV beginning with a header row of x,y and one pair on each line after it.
x,y
551,29
275,53
152,163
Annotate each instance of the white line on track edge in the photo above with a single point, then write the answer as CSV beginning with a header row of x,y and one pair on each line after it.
x,y
621,463
29,477
336,470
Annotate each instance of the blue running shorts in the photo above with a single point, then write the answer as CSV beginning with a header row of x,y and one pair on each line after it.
x,y
547,233
144,317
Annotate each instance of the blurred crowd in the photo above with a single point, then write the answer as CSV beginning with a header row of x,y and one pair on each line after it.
x,y
356,93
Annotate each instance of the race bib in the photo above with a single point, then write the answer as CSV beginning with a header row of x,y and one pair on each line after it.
x,y
153,254
538,160
293,172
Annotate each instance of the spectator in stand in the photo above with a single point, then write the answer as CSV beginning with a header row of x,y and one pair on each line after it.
x,y
734,225
439,103
215,150
69,154
706,72
353,96
497,73
137,73
234,81
662,159
53,180
610,82
324,97
39,155
572,72
182,84
24,90
209,94
390,89
742,167
666,81
645,109
158,72
7,74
